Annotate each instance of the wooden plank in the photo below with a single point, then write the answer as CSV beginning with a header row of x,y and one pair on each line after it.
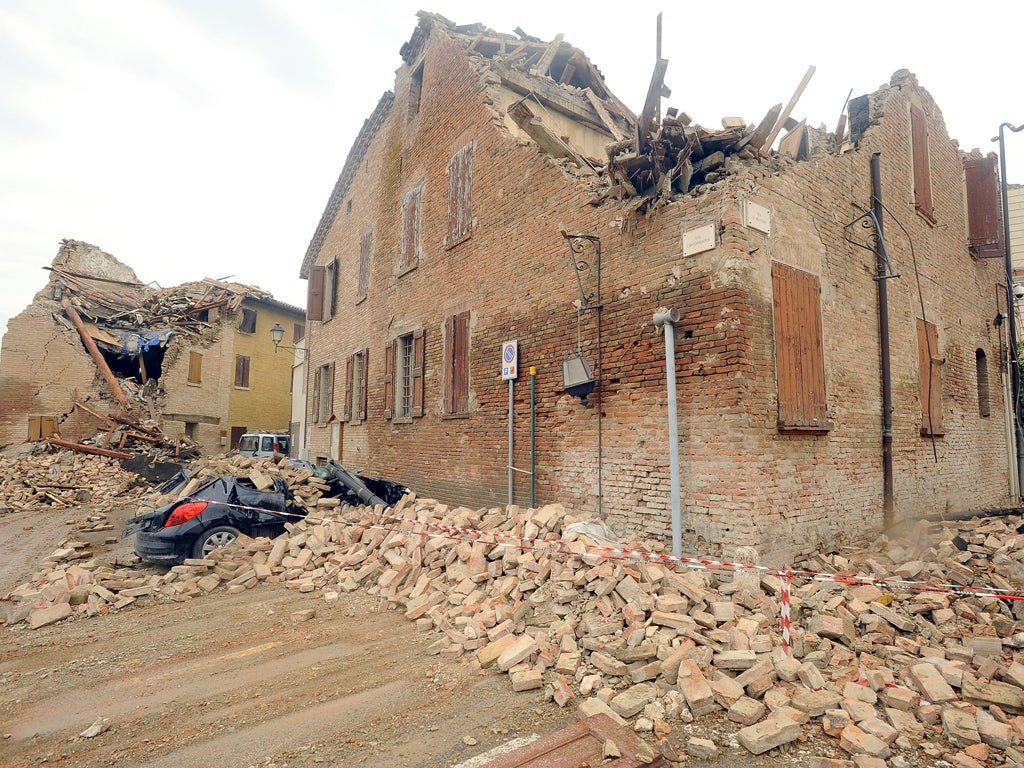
x,y
549,55
606,118
789,108
765,126
94,351
794,143
89,449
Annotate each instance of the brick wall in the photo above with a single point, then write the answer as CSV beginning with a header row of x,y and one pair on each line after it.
x,y
743,481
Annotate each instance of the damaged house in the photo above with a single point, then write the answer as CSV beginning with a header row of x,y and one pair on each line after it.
x,y
485,277
102,359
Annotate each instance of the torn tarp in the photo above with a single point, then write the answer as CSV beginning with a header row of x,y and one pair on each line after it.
x,y
133,343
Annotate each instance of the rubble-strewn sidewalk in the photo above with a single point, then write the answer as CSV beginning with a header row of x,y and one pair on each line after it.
x,y
896,676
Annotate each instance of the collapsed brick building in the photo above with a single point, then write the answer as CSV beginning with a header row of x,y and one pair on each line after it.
x,y
501,193
100,357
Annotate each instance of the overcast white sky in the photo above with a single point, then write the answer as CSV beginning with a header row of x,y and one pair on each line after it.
x,y
202,138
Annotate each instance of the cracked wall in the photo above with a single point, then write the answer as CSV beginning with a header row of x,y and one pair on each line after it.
x,y
45,369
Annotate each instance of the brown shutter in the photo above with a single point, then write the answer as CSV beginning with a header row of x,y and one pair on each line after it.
x,y
461,374
365,251
922,169
799,349
418,355
241,371
316,396
329,392
195,368
389,379
346,411
984,207
315,294
931,377
460,194
411,229
365,375
449,368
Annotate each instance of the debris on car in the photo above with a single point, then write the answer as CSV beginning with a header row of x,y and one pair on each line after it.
x,y
212,513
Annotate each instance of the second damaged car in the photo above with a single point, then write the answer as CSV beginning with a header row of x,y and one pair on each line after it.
x,y
212,516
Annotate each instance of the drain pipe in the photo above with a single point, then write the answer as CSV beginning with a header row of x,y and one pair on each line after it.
x,y
881,270
668,319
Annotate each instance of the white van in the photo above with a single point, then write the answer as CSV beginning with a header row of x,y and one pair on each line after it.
x,y
261,444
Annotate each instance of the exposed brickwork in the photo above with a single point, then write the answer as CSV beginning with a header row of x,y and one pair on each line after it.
x,y
743,481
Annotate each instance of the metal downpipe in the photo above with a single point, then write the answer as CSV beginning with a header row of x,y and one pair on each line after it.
x,y
668,320
888,483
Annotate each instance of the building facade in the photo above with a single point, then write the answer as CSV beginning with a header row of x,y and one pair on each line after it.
x,y
196,361
500,193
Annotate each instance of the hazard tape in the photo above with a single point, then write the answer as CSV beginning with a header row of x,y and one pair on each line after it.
x,y
560,546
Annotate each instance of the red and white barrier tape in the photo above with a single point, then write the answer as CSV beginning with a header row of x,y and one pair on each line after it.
x,y
560,546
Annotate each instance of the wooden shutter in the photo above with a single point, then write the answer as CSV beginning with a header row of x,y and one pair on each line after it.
x,y
799,350
389,379
931,377
418,355
195,368
346,412
316,395
449,368
364,380
460,363
329,392
922,169
315,294
460,194
984,208
365,249
411,205
241,371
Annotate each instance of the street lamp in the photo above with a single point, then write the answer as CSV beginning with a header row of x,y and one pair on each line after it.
x,y
1011,297
276,335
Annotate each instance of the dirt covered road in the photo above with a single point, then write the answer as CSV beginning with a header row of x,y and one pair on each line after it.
x,y
239,680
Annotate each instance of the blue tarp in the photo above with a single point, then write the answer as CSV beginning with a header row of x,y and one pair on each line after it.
x,y
136,343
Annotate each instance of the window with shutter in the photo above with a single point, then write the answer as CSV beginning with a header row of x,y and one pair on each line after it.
x,y
316,395
456,385
460,195
365,247
241,371
922,166
412,204
984,208
315,294
799,350
930,363
195,368
355,386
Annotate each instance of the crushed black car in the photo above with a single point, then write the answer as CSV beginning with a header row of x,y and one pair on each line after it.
x,y
216,513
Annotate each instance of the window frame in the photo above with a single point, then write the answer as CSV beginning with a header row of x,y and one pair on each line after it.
x,y
356,381
414,380
247,322
323,393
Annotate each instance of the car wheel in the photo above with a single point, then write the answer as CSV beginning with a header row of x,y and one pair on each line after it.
x,y
215,538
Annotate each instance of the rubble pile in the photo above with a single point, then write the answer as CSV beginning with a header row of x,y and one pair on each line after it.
x,y
62,480
892,669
